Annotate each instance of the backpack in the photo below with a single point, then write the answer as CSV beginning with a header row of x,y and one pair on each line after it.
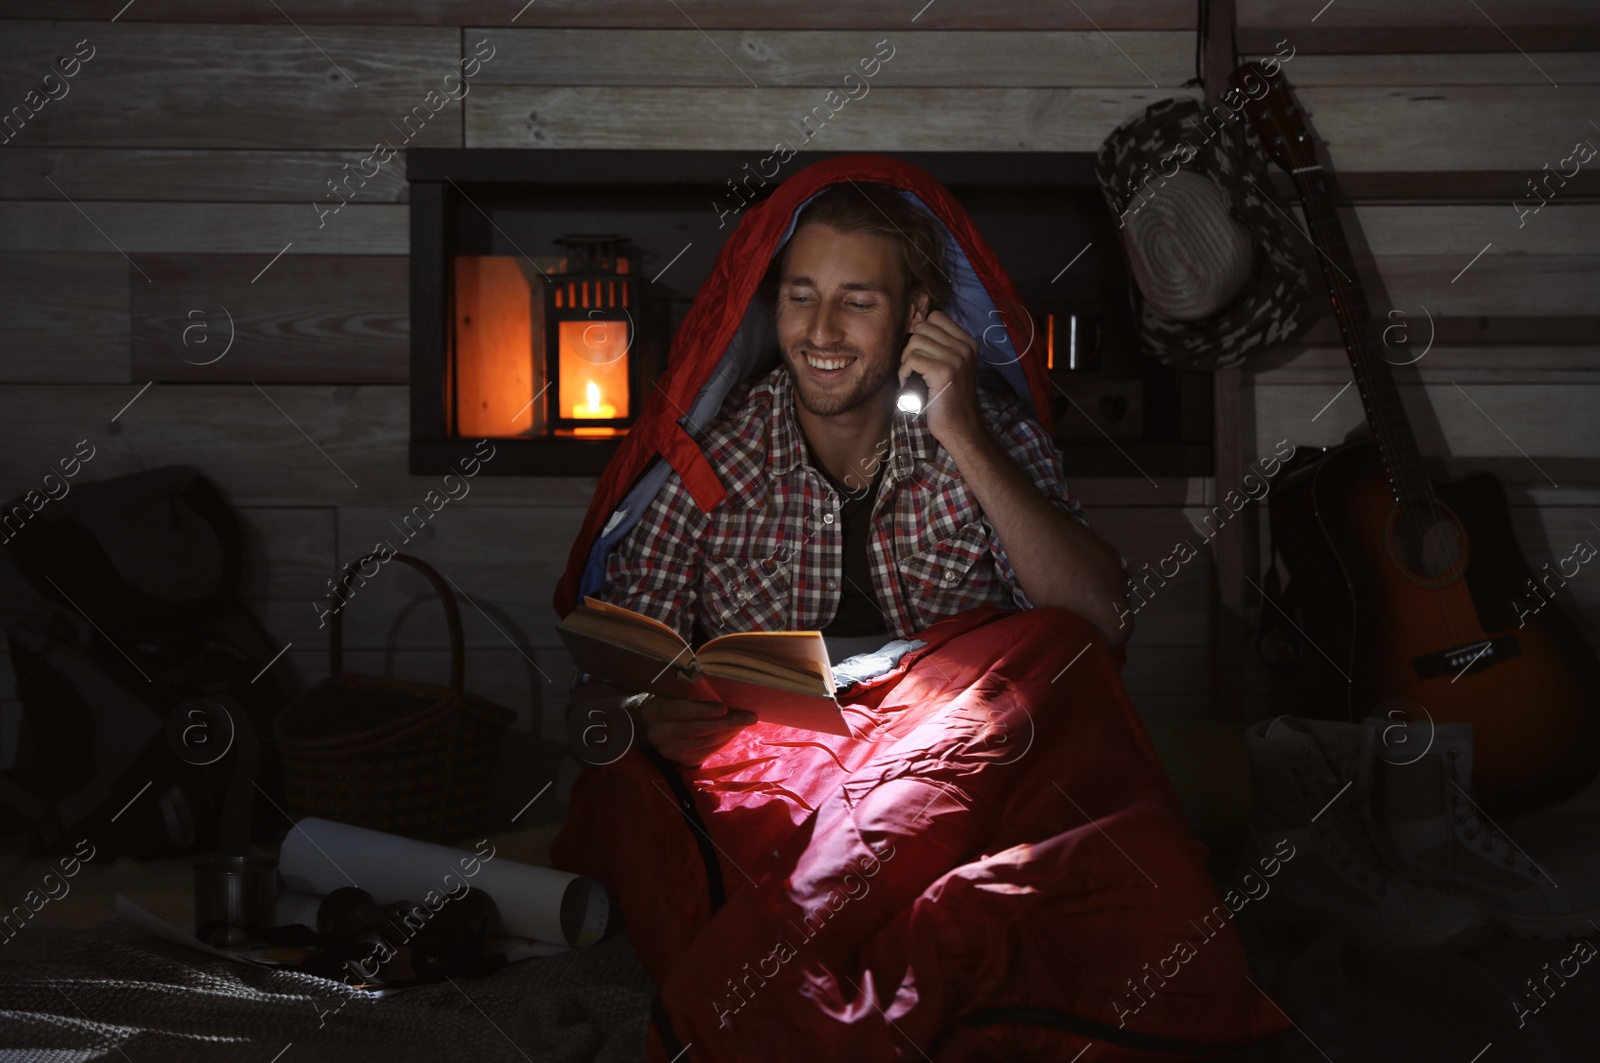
x,y
144,681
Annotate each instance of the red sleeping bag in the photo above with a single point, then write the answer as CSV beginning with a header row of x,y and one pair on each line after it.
x,y
993,868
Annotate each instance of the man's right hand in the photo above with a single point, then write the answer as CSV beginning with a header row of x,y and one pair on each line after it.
x,y
687,732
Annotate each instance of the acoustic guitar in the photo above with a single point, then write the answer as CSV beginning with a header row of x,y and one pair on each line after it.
x,y
1414,590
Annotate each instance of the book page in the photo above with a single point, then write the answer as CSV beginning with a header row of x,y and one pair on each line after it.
x,y
628,628
751,671
799,655
631,669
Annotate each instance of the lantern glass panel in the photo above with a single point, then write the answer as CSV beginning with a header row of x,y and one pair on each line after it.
x,y
594,369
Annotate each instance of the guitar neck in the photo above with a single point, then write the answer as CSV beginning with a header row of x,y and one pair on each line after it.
x,y
1379,395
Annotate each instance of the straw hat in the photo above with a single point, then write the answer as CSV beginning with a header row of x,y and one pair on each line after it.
x,y
1217,270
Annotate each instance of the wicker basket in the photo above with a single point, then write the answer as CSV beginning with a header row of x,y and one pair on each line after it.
x,y
399,756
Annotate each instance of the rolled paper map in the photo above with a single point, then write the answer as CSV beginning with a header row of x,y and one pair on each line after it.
x,y
541,903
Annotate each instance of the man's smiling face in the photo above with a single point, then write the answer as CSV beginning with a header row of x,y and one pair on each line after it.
x,y
842,318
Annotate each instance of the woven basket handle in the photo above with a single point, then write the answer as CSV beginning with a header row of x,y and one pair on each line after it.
x,y
452,617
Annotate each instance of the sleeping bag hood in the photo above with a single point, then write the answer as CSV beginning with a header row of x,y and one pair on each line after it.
x,y
729,336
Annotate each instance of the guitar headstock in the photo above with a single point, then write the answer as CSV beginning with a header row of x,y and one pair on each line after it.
x,y
1269,104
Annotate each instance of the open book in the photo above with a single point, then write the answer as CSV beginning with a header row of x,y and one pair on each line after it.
x,y
782,677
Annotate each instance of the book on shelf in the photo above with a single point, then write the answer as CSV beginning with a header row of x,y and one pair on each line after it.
x,y
781,677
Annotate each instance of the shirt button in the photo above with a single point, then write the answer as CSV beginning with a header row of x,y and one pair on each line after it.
x,y
833,585
827,518
950,575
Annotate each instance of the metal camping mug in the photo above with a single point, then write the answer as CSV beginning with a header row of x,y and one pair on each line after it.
x,y
234,897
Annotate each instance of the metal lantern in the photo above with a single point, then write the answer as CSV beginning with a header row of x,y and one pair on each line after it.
x,y
590,308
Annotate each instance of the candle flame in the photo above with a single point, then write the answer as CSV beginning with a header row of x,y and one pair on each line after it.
x,y
592,393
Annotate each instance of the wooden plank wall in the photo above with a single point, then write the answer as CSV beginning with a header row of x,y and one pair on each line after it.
x,y
177,175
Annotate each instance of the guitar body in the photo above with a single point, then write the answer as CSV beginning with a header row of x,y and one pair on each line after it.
x,y
1422,610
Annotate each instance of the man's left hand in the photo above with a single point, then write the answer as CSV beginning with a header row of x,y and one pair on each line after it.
x,y
947,358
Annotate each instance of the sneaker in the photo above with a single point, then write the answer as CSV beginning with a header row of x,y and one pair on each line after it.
x,y
1431,826
1309,785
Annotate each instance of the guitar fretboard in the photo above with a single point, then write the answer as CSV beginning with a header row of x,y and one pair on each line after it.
x,y
1379,395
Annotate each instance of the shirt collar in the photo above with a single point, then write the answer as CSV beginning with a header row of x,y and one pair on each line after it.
x,y
910,442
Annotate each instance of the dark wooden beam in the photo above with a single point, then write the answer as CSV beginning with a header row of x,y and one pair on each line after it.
x,y
1419,40
1433,186
1490,331
643,14
622,167
430,318
1233,555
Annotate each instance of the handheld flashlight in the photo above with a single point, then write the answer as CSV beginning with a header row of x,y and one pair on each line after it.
x,y
914,392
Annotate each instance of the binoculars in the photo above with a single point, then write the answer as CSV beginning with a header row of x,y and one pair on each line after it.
x,y
402,942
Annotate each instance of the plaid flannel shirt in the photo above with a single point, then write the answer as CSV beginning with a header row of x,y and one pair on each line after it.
x,y
769,556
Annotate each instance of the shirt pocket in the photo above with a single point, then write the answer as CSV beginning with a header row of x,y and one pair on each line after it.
x,y
954,574
945,509
744,594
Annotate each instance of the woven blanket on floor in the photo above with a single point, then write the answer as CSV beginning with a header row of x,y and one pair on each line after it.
x,y
69,996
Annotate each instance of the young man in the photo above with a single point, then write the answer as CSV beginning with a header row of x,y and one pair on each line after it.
x,y
843,514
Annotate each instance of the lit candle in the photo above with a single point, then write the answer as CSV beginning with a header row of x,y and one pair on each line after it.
x,y
593,408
